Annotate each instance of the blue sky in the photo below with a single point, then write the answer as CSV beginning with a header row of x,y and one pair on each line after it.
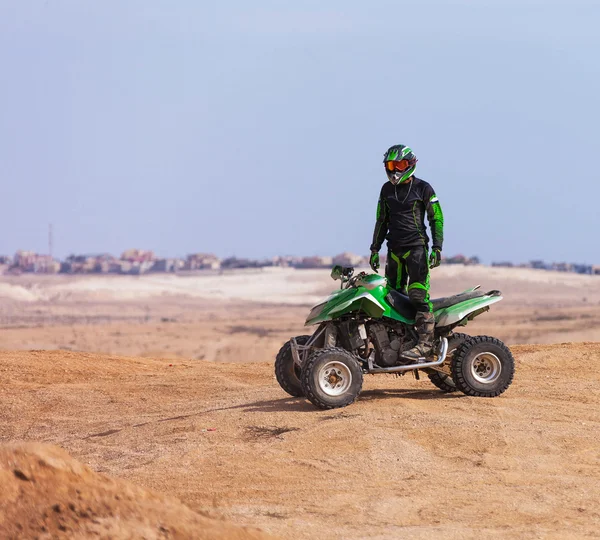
x,y
258,128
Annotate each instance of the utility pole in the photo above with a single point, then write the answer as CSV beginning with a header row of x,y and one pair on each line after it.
x,y
50,239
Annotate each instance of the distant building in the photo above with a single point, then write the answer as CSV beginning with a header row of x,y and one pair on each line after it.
x,y
102,263
286,261
348,259
456,259
5,264
540,265
137,255
562,267
315,262
73,264
233,262
120,267
28,261
364,261
25,260
138,268
167,265
136,261
87,264
115,266
202,261
461,259
52,267
582,268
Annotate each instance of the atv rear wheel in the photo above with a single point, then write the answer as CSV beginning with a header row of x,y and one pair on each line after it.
x,y
332,378
483,367
443,381
286,371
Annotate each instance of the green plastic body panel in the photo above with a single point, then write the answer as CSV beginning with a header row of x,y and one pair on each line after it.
x,y
456,313
368,297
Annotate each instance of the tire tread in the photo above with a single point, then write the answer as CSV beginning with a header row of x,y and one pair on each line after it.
x,y
439,379
459,358
280,367
307,372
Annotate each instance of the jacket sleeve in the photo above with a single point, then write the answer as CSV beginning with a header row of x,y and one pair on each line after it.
x,y
435,217
381,225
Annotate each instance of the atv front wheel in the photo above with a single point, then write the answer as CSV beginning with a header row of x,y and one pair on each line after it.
x,y
331,378
483,367
443,381
286,370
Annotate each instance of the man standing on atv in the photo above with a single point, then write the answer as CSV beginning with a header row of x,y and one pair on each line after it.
x,y
403,203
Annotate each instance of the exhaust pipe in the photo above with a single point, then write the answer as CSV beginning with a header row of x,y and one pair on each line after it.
x,y
443,351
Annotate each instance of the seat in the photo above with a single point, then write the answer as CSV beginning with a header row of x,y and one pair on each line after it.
x,y
402,304
448,301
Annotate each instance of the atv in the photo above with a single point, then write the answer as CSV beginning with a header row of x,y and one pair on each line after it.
x,y
366,326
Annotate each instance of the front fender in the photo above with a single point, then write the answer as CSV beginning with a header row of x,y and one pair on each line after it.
x,y
339,304
364,301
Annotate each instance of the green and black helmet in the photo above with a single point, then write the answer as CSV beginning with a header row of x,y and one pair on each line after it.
x,y
400,163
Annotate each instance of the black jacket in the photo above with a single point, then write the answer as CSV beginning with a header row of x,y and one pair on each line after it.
x,y
401,216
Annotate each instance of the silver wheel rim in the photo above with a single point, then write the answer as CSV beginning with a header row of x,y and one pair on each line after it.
x,y
334,378
486,368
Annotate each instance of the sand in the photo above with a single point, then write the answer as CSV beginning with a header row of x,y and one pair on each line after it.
x,y
404,461
163,386
48,494
246,316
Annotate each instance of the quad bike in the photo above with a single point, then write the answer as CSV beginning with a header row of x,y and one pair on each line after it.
x,y
366,326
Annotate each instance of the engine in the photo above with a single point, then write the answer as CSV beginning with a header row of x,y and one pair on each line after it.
x,y
388,339
389,342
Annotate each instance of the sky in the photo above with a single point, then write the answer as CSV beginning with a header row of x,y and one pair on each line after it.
x,y
258,128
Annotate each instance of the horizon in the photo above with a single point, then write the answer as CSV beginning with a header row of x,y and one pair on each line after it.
x,y
157,256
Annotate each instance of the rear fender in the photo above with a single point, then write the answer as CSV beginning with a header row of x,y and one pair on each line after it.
x,y
454,314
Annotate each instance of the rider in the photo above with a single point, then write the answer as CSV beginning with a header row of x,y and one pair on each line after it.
x,y
401,209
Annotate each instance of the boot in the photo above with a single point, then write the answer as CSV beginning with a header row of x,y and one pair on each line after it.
x,y
424,325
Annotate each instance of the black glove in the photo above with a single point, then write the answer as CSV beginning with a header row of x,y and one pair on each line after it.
x,y
435,258
374,261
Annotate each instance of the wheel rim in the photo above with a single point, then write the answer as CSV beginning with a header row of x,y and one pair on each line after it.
x,y
486,368
334,378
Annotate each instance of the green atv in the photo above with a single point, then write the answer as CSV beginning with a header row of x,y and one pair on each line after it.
x,y
366,326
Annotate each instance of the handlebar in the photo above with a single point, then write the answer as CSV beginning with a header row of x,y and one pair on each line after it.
x,y
352,281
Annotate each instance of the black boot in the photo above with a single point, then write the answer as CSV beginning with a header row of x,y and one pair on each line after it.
x,y
425,326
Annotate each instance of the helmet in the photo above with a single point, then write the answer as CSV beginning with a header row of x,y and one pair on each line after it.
x,y
400,163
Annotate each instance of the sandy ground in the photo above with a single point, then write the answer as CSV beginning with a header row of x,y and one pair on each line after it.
x,y
47,494
183,401
246,316
404,461
286,285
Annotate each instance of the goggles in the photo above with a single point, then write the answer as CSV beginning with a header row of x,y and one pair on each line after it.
x,y
401,166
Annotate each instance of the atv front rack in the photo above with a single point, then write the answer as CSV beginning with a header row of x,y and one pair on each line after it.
x,y
299,352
